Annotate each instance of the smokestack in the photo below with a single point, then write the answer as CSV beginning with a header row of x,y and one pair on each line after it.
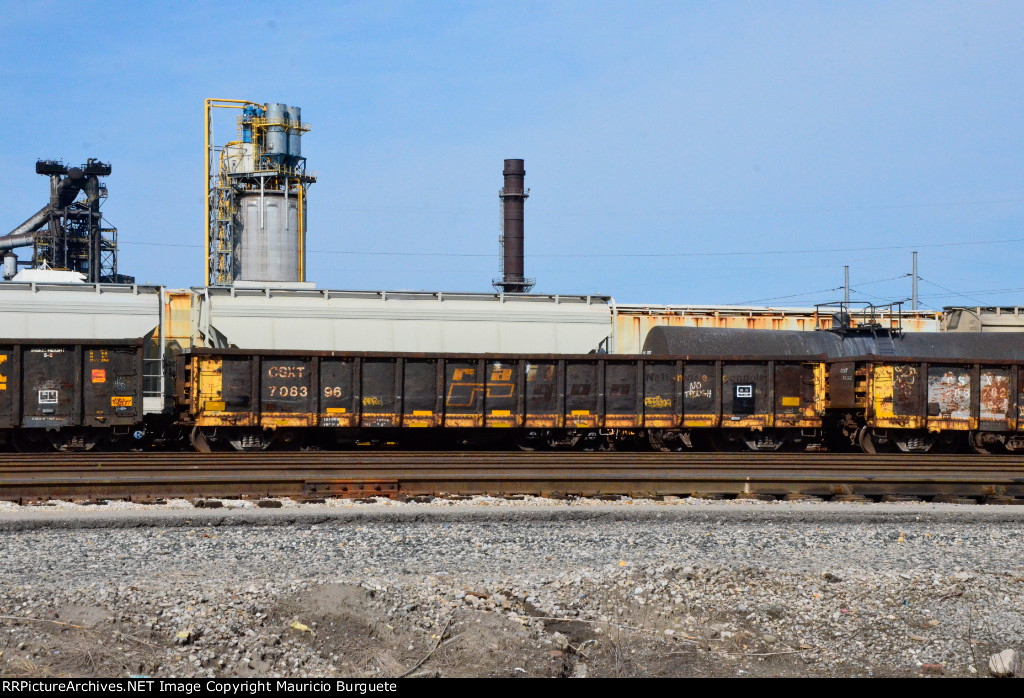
x,y
512,196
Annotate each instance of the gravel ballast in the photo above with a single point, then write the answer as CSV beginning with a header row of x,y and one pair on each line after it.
x,y
495,587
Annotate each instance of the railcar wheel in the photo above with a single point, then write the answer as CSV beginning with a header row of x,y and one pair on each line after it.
x,y
866,441
31,441
593,441
726,443
592,445
871,443
668,442
199,441
289,440
986,443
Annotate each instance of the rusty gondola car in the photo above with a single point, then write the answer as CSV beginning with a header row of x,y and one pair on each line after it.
x,y
251,400
70,394
894,391
902,403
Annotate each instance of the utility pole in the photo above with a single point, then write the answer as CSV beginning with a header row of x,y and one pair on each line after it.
x,y
846,286
913,297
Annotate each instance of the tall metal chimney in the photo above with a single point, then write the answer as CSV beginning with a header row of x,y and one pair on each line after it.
x,y
512,196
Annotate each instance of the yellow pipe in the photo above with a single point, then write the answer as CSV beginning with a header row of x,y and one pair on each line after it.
x,y
302,238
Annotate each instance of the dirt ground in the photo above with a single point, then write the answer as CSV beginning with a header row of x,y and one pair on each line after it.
x,y
358,638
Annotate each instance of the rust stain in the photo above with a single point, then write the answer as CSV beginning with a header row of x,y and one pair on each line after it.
x,y
949,393
995,395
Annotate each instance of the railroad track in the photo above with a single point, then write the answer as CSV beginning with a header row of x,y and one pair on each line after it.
x,y
314,475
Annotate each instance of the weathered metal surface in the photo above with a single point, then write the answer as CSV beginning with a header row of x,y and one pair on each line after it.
x,y
340,400
663,393
799,395
223,390
997,410
949,398
465,385
906,390
842,385
544,394
50,387
746,399
702,392
110,386
379,402
288,390
921,346
502,399
895,396
70,383
474,391
419,394
623,408
581,394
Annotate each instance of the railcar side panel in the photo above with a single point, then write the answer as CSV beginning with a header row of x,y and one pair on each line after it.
x,y
502,402
896,396
420,397
340,400
288,394
51,384
464,393
381,382
702,405
111,386
662,394
9,374
222,391
66,384
746,398
1019,411
798,392
997,401
582,391
545,394
842,385
950,398
623,395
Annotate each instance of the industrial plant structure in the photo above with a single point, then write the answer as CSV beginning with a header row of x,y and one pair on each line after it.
x,y
256,200
68,234
511,242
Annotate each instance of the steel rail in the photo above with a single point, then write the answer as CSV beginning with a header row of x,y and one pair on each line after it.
x,y
142,476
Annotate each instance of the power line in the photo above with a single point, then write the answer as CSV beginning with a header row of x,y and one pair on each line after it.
x,y
682,213
955,293
622,255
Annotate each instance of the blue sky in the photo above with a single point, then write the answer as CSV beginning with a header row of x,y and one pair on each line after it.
x,y
677,152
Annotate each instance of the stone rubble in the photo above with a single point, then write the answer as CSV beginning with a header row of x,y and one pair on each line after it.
x,y
498,587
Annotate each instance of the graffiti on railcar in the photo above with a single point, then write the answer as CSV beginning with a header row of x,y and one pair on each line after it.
x,y
464,388
905,389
